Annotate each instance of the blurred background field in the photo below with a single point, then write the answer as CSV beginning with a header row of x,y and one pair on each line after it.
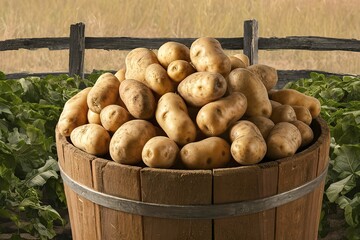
x,y
178,18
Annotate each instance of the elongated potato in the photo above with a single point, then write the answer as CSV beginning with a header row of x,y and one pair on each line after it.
x,y
274,104
283,113
104,92
157,79
303,114
283,141
128,141
201,88
210,153
264,124
160,152
93,117
215,117
248,145
171,51
236,63
307,134
294,97
138,99
243,58
113,116
91,138
246,82
136,62
172,116
268,75
74,113
120,74
207,55
178,70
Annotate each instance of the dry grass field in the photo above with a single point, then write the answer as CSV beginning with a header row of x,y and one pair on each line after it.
x,y
178,18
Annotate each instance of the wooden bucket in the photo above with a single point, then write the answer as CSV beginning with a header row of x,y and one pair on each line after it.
x,y
273,200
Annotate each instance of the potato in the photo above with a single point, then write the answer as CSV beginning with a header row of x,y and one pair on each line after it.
x,y
160,152
93,117
207,55
136,62
212,152
264,124
268,75
74,113
171,51
236,63
172,116
113,116
243,58
91,138
283,140
157,79
215,117
294,97
201,88
246,82
138,99
307,134
128,141
248,145
120,75
283,113
178,70
274,104
104,92
303,114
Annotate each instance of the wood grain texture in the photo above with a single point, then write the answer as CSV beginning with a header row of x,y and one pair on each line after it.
x,y
58,43
176,187
251,40
241,184
77,49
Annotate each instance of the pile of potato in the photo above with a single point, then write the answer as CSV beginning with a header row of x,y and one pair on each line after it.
x,y
193,107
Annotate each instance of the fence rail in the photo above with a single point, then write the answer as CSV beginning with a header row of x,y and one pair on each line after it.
x,y
77,43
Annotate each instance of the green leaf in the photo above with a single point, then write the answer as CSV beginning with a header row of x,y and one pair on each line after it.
x,y
342,186
39,177
347,161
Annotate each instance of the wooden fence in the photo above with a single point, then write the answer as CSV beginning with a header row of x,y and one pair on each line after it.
x,y
77,43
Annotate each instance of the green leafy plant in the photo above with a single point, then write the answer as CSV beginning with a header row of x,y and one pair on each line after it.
x,y
340,100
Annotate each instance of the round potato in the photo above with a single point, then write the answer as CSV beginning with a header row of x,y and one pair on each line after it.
x,y
236,63
113,116
171,51
138,99
93,117
210,153
242,127
178,70
268,75
157,79
207,55
128,141
283,113
303,114
201,88
160,152
120,75
215,117
307,134
264,124
245,59
136,62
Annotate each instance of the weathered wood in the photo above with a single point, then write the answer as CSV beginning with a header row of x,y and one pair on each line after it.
x,y
241,184
176,187
251,40
59,43
77,49
310,43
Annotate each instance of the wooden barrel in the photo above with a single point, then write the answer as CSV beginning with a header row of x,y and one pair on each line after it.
x,y
273,200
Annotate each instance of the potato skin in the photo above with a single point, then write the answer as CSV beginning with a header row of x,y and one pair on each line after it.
x,y
307,134
215,117
113,116
201,88
172,116
138,99
283,113
264,124
74,113
157,79
243,127
91,138
171,51
136,62
178,70
246,82
236,63
160,152
207,55
243,58
283,141
103,93
303,114
120,74
293,97
268,75
93,117
128,141
210,153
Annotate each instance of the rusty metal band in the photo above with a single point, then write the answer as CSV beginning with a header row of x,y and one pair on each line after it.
x,y
211,211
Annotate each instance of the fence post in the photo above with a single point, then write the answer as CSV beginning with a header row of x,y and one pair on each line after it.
x,y
251,40
77,49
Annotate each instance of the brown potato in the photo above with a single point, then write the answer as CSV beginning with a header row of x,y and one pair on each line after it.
x,y
178,70
93,117
91,138
210,153
201,88
283,113
274,104
171,51
264,124
243,127
243,58
307,134
268,75
215,117
136,62
207,55
236,63
128,141
157,79
160,152
303,114
120,75
138,99
113,116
